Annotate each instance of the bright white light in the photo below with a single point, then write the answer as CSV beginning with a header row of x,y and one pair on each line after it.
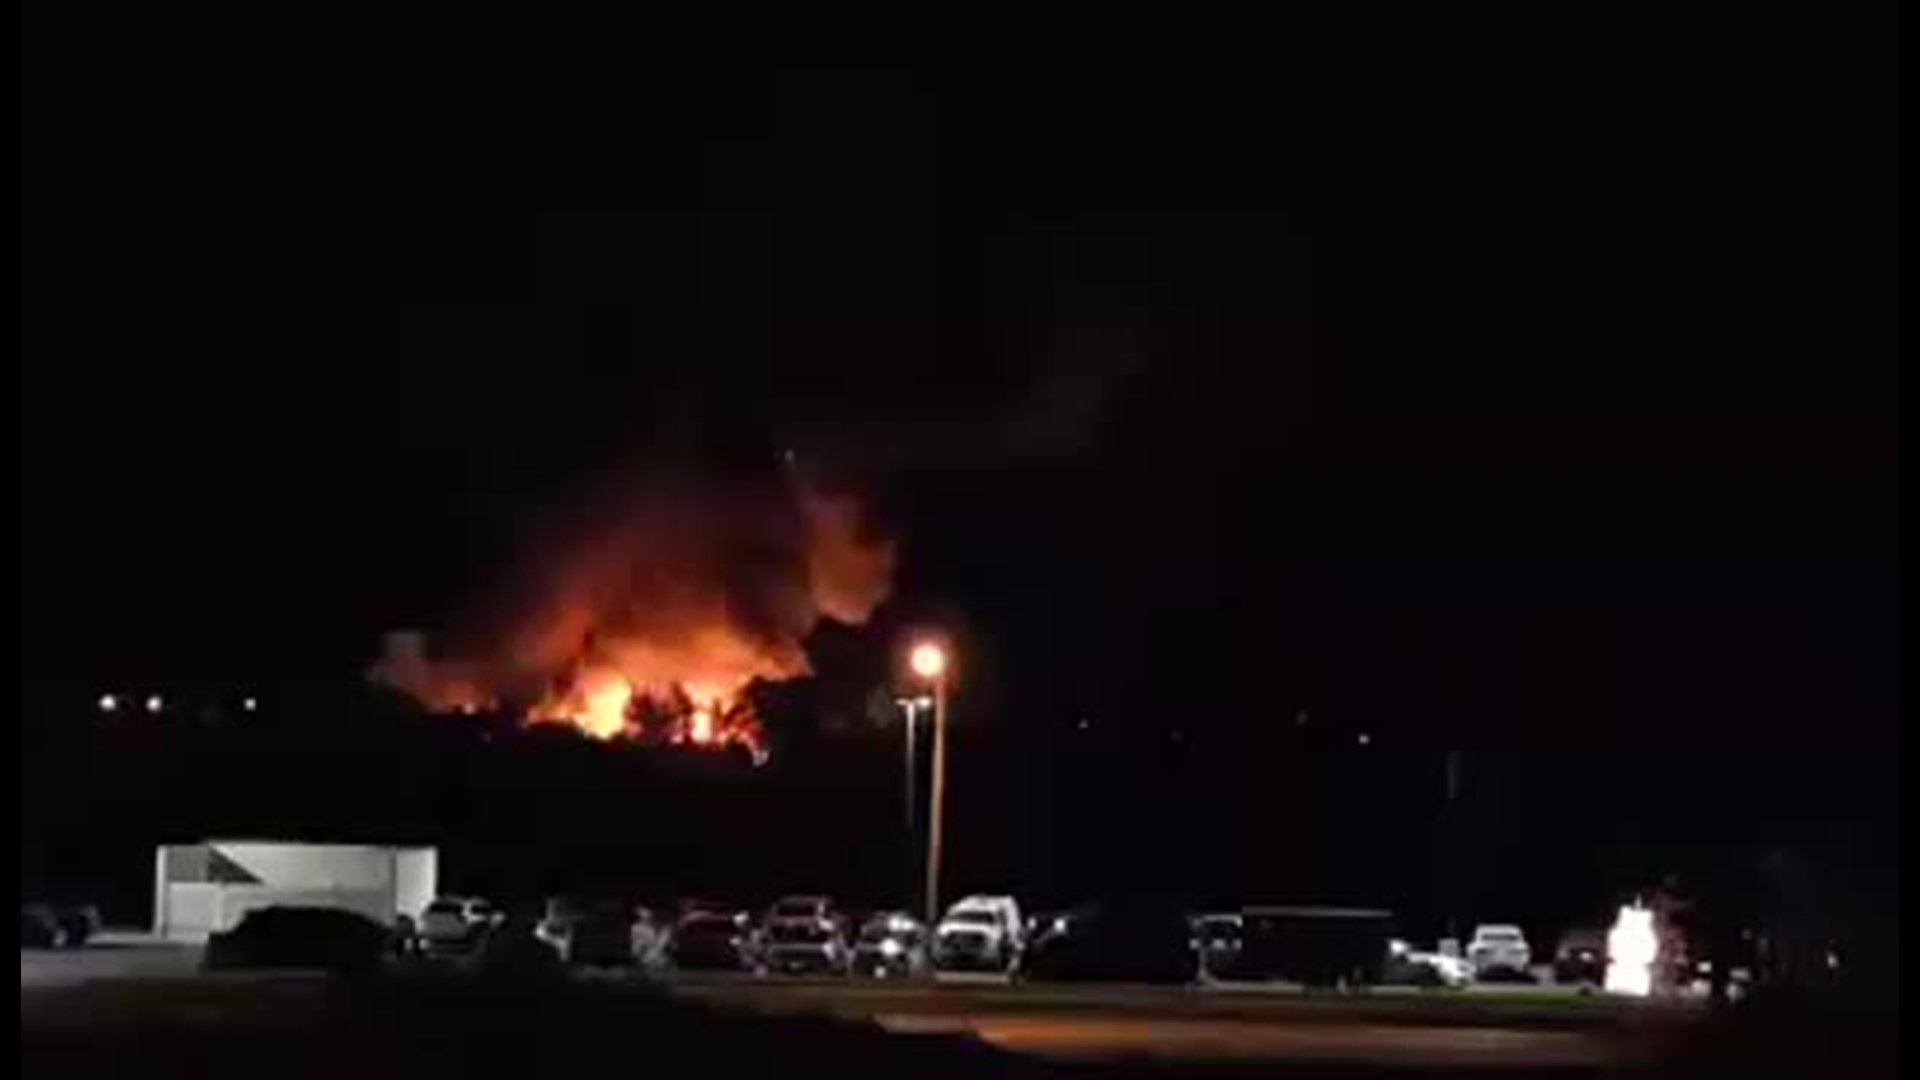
x,y
929,661
250,704
1632,947
154,703
1365,739
108,703
890,947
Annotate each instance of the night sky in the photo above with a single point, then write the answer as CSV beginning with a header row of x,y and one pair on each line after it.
x,y
1532,392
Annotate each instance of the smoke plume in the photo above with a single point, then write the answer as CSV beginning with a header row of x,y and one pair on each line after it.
x,y
653,621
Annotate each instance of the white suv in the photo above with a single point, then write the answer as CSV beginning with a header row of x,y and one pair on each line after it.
x,y
1499,949
457,923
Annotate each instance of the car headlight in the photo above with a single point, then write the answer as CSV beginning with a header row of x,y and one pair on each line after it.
x,y
890,948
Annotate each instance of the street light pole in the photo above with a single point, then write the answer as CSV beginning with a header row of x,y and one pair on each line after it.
x,y
913,707
929,661
913,711
938,811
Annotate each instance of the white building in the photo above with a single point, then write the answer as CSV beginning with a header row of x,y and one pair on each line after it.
x,y
200,889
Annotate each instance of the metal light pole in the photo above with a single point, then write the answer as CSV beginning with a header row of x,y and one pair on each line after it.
x,y
929,661
912,707
939,810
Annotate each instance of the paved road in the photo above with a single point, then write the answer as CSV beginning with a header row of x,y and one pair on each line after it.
x,y
1074,1021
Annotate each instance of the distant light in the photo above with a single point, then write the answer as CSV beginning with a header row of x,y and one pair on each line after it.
x,y
1084,724
1365,739
109,703
1632,947
154,703
250,704
928,660
1300,718
1177,735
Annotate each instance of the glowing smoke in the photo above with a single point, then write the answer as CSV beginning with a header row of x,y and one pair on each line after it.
x,y
655,621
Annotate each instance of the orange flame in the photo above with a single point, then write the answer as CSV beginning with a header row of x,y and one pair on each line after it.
x,y
657,628
600,706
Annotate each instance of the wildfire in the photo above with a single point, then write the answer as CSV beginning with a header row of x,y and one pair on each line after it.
x,y
657,627
607,705
602,709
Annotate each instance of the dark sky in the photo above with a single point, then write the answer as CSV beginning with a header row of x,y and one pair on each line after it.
x,y
1525,383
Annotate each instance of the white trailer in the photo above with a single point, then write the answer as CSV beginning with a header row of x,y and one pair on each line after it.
x,y
200,889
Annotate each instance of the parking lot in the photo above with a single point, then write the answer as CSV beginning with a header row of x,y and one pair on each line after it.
x,y
1480,1026
110,957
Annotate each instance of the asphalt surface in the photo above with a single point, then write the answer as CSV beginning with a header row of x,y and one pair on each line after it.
x,y
1478,1029
113,957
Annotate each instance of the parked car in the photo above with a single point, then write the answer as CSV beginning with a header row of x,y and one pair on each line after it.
x,y
514,951
39,927
1328,947
456,924
646,938
891,945
802,909
712,940
1499,950
1580,958
1215,942
555,927
1409,966
590,934
804,934
795,947
980,933
301,938
1119,941
57,926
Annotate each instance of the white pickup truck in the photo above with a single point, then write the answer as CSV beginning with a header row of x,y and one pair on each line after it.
x,y
980,933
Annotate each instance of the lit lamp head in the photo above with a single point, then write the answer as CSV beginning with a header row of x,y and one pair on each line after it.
x,y
928,660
